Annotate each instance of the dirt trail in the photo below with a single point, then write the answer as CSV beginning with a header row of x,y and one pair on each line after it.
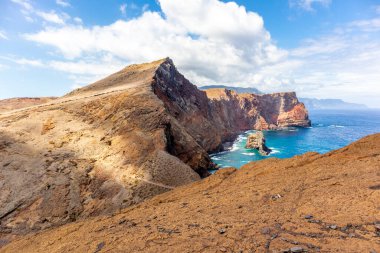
x,y
157,184
64,100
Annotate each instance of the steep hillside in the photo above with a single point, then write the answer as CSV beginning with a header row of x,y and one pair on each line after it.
x,y
137,133
313,203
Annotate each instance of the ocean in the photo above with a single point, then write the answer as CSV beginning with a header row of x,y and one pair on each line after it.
x,y
330,130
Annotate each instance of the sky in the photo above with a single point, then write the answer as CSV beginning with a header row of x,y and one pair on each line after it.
x,y
318,48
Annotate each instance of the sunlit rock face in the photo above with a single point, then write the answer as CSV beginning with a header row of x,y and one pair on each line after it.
x,y
137,133
260,112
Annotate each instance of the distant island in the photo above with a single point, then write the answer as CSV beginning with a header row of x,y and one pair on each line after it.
x,y
330,104
310,103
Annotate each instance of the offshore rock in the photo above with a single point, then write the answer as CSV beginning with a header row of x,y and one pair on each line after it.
x,y
257,141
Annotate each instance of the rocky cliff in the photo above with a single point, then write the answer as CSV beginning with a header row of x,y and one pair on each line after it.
x,y
237,112
308,203
137,133
216,115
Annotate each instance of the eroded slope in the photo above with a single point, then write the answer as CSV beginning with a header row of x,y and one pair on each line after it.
x,y
89,153
18,103
319,203
130,136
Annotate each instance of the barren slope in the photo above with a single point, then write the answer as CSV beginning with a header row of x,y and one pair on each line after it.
x,y
85,154
130,136
326,203
18,103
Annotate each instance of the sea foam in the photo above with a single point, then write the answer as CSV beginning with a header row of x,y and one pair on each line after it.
x,y
338,126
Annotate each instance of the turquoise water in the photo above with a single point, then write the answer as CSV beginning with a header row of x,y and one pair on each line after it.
x,y
330,130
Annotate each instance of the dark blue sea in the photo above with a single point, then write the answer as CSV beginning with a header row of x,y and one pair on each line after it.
x,y
330,130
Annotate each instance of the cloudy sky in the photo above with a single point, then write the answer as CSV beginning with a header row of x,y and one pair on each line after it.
x,y
318,48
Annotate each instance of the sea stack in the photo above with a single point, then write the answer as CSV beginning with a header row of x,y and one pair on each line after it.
x,y
257,141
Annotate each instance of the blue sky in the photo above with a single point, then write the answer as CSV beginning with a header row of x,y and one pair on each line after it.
x,y
318,48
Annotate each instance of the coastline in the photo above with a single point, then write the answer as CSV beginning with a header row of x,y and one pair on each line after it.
x,y
235,210
344,126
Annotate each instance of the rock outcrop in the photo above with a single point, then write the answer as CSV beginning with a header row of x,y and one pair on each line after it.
x,y
257,141
137,133
308,203
260,112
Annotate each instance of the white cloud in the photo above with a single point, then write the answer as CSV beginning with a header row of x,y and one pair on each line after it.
x,y
29,19
238,51
25,4
367,25
308,4
98,68
63,3
134,6
123,9
29,12
26,9
343,64
3,35
51,17
78,20
145,7
377,9
314,46
82,71
2,66
23,61
191,33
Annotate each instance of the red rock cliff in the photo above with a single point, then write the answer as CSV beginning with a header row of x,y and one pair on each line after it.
x,y
216,115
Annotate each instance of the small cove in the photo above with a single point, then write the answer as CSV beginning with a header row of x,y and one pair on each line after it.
x,y
330,130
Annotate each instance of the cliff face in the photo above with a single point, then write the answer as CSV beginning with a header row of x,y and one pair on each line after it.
x,y
137,133
308,203
260,112
216,115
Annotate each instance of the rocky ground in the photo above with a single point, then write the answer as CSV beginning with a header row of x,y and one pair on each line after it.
x,y
117,142
91,152
18,103
308,203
